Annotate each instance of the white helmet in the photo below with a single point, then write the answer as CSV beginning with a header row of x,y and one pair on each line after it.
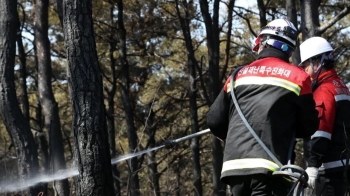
x,y
281,28
312,47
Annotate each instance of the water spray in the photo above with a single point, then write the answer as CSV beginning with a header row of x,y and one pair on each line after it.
x,y
63,174
21,185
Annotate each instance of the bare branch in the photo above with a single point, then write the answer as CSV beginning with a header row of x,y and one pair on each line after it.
x,y
335,19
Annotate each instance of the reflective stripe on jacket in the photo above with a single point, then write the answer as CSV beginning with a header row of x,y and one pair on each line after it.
x,y
276,99
332,99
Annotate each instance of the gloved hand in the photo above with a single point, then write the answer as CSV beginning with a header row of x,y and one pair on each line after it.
x,y
312,172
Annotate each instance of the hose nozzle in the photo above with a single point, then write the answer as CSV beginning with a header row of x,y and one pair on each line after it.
x,y
169,143
172,143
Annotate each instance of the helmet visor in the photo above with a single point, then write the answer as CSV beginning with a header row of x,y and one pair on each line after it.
x,y
286,32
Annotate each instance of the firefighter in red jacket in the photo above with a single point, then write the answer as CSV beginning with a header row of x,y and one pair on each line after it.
x,y
276,99
328,148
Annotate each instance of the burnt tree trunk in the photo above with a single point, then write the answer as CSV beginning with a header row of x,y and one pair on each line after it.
x,y
23,76
91,148
191,66
14,120
292,16
110,121
262,13
111,92
129,111
310,21
151,156
213,45
46,97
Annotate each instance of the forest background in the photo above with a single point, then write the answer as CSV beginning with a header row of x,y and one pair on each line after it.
x,y
85,82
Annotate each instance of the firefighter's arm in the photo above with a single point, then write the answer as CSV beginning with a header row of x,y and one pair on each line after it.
x,y
318,148
218,115
307,120
321,139
307,117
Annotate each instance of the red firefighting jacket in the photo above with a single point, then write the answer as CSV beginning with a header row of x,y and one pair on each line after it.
x,y
328,144
276,99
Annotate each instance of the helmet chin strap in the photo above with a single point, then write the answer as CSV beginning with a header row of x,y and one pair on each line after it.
x,y
316,73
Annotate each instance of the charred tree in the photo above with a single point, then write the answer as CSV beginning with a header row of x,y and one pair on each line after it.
x,y
11,114
46,96
22,73
91,147
129,111
213,45
151,156
292,16
191,66
111,92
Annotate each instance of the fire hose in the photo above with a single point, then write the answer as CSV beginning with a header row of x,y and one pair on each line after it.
x,y
172,143
294,173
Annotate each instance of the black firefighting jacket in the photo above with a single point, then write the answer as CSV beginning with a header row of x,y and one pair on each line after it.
x,y
328,144
277,100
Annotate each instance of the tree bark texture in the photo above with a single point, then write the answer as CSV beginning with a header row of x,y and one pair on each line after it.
x,y
59,7
111,92
262,13
91,151
40,136
191,66
110,118
23,76
292,16
309,18
151,156
129,111
213,45
14,120
46,97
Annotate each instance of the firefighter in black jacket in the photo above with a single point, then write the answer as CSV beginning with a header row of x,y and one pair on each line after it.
x,y
276,99
328,149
